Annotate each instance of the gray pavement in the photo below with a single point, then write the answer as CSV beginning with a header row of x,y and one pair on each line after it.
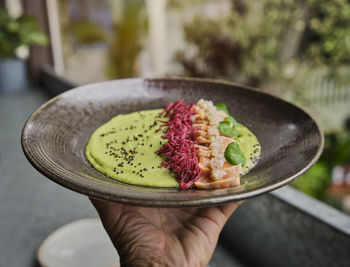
x,y
31,206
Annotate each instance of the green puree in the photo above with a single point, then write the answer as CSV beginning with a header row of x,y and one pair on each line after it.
x,y
111,149
125,149
250,146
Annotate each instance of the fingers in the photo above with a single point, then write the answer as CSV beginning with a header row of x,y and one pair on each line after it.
x,y
225,211
228,209
109,212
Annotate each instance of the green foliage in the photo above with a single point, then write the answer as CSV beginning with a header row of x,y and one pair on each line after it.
x,y
20,32
316,181
337,149
329,32
268,40
243,46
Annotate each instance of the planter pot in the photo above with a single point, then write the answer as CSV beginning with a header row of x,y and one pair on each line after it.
x,y
13,76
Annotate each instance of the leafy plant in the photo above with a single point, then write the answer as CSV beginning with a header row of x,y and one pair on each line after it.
x,y
268,41
18,32
317,180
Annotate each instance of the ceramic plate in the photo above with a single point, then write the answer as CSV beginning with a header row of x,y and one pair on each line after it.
x,y
82,243
55,136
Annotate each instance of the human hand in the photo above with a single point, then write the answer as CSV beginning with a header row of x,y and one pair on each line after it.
x,y
163,236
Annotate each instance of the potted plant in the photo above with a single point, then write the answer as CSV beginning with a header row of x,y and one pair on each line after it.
x,y
16,36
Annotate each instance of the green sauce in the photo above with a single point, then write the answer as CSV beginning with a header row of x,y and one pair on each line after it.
x,y
250,146
125,149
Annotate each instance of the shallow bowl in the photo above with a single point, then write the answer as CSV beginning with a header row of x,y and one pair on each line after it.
x,y
55,136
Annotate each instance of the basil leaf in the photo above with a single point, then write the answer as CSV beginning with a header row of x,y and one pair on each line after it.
x,y
226,129
234,155
222,107
232,120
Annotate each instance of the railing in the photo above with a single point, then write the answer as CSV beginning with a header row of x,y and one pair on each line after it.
x,y
328,101
329,93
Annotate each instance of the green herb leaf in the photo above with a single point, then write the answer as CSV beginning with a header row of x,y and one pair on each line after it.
x,y
234,155
222,107
232,120
17,32
226,129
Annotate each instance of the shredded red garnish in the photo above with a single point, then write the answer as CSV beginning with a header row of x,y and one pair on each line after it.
x,y
180,150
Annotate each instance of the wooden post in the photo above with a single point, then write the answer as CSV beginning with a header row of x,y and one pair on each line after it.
x,y
39,55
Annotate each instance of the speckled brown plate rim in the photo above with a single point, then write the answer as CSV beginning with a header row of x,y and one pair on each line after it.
x,y
193,202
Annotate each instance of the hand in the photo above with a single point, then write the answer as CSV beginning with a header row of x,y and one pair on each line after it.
x,y
163,236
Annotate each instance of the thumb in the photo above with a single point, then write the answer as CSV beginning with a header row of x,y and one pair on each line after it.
x,y
109,212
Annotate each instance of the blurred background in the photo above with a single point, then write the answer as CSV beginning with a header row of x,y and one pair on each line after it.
x,y
298,50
